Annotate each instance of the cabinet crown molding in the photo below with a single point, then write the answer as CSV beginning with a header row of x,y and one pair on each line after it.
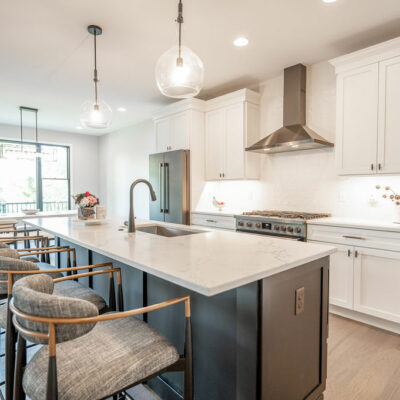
x,y
192,104
369,55
238,96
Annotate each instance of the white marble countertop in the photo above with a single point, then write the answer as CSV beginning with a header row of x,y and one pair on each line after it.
x,y
41,214
357,223
209,263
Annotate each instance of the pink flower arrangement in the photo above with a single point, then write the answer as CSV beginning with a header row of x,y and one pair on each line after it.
x,y
86,200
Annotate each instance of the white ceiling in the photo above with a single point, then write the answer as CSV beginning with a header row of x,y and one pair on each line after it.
x,y
46,54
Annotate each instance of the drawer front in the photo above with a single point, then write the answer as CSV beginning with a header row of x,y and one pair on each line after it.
x,y
214,221
354,237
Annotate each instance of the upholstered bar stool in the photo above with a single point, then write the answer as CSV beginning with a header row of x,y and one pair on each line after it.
x,y
87,356
12,269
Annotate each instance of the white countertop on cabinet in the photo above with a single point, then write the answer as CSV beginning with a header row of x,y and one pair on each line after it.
x,y
357,223
209,262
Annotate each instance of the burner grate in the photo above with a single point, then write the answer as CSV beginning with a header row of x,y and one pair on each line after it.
x,y
287,214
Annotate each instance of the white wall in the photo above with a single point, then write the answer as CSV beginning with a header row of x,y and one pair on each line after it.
x,y
84,153
124,158
304,180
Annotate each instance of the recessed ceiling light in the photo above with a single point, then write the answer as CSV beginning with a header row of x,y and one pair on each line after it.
x,y
78,127
328,1
240,42
121,109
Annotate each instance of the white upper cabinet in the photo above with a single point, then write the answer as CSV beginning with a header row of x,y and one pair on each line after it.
x,y
215,144
389,121
367,119
357,120
175,124
232,123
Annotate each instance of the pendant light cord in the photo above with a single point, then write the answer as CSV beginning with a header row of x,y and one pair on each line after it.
x,y
95,68
179,20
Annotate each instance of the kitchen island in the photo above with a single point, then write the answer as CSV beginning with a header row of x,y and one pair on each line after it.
x,y
259,304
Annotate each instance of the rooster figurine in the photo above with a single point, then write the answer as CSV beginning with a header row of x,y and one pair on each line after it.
x,y
218,204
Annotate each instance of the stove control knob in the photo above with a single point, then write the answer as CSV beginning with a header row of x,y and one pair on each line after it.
x,y
249,224
283,228
258,225
298,229
276,227
240,223
290,229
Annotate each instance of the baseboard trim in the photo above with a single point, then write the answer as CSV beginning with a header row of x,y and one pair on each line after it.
x,y
365,319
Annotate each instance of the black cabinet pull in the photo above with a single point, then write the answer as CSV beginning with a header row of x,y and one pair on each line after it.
x,y
372,167
348,253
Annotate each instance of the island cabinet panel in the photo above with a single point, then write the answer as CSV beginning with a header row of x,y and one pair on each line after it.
x,y
248,342
294,342
224,337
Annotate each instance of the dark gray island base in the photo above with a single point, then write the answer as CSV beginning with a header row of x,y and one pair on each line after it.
x,y
263,341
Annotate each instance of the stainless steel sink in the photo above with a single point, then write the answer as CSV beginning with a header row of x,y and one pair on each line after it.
x,y
165,231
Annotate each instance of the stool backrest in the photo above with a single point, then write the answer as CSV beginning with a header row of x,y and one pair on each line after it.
x,y
14,264
11,253
33,295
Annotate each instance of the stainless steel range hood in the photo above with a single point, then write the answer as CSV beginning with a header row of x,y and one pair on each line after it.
x,y
294,135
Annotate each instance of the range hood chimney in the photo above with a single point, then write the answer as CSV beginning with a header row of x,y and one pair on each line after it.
x,y
294,135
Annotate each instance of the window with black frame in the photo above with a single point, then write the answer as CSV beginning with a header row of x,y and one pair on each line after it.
x,y
34,176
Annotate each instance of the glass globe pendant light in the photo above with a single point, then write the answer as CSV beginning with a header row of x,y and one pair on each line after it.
x,y
95,114
179,71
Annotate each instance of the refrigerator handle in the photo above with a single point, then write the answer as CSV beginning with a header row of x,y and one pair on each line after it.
x,y
166,177
161,187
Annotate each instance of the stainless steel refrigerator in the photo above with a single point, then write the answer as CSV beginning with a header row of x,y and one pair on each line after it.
x,y
169,176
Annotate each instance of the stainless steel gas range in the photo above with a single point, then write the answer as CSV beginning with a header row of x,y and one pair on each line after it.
x,y
285,224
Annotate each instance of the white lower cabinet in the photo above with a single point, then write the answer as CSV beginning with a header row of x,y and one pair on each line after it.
x,y
363,279
377,283
341,278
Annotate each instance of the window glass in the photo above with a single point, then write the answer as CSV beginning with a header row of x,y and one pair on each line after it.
x,y
54,162
19,169
55,195
17,178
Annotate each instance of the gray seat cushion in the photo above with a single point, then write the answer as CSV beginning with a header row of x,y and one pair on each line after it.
x,y
114,355
4,245
31,259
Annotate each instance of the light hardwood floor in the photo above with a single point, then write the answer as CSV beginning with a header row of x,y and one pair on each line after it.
x,y
363,362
